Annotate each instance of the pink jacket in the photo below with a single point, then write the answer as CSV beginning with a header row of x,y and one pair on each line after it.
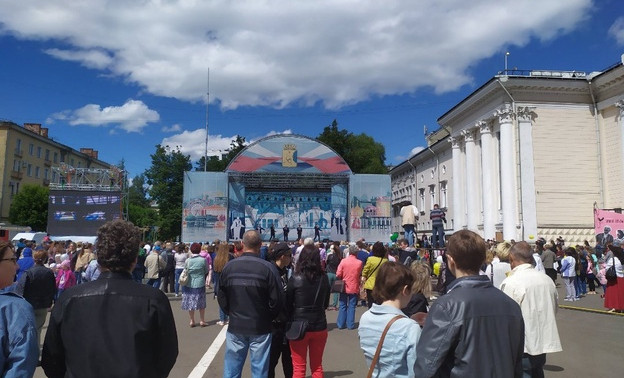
x,y
349,270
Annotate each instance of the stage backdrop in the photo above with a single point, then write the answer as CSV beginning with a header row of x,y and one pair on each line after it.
x,y
369,208
609,226
204,210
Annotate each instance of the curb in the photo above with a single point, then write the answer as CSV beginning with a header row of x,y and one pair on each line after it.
x,y
595,311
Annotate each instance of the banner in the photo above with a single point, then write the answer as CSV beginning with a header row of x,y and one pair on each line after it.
x,y
609,226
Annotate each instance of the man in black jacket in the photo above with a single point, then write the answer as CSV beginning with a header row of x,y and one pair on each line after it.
x,y
281,256
113,326
475,330
251,293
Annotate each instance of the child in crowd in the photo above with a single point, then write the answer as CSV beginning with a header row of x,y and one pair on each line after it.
x,y
65,278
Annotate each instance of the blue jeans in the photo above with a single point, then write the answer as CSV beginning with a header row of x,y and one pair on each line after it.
x,y
533,366
346,312
154,282
409,233
236,347
222,315
437,236
177,280
580,285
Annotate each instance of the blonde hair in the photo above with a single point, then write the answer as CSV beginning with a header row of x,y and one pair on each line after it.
x,y
502,251
489,256
422,279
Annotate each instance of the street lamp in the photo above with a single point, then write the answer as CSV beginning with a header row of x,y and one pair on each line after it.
x,y
506,55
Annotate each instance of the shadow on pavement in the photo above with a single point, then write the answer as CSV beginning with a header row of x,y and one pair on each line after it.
x,y
553,368
330,374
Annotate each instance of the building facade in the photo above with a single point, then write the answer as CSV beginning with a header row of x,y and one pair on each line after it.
x,y
532,154
29,156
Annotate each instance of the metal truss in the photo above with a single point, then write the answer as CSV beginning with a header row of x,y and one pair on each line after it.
x,y
288,181
100,179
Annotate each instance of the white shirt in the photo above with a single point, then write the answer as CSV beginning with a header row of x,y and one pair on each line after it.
x,y
538,263
619,271
536,294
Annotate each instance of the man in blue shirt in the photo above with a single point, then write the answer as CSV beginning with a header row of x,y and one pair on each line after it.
x,y
18,333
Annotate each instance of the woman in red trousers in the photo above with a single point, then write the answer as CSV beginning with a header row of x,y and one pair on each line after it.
x,y
307,297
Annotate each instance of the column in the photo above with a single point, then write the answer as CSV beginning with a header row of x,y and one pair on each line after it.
x,y
527,172
487,160
508,172
458,190
472,193
620,105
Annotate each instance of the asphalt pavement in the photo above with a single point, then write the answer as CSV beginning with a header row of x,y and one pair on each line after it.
x,y
591,338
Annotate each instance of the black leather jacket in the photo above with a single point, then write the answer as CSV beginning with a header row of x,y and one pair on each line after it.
x,y
38,286
301,304
110,327
475,330
251,293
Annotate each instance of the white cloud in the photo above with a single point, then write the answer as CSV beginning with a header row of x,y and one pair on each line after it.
x,y
93,58
416,150
279,53
193,143
132,116
617,30
171,129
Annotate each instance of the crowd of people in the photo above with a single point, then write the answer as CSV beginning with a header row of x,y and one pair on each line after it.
x,y
274,299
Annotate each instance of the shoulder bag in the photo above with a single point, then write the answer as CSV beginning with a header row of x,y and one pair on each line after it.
x,y
184,275
611,274
296,329
381,341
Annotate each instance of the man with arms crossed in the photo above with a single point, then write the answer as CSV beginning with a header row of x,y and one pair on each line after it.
x,y
474,330
532,290
251,293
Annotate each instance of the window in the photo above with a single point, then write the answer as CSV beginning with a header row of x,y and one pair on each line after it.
x,y
79,164
39,152
18,146
47,155
72,162
31,149
432,194
56,157
53,176
443,203
433,173
443,169
29,170
37,172
421,193
16,165
46,173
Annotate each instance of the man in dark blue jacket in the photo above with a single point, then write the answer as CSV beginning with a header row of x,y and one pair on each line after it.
x,y
251,293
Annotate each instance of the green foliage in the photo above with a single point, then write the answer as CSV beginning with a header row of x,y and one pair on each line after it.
x,y
30,207
166,180
142,216
137,193
361,152
219,165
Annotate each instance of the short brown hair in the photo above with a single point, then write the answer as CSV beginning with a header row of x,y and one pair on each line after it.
x,y
467,249
118,245
391,280
252,241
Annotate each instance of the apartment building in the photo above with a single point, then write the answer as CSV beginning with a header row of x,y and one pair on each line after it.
x,y
27,156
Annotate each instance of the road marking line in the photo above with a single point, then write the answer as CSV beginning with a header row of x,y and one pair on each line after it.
x,y
206,360
590,310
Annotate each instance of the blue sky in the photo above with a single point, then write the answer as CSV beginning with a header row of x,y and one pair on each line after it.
x,y
123,76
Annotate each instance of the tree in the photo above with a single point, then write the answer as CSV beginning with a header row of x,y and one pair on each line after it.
x,y
137,192
219,165
30,207
166,180
361,152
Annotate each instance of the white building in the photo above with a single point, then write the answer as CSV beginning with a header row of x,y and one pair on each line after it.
x,y
528,154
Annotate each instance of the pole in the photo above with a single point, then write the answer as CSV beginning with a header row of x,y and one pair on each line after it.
x,y
207,107
506,55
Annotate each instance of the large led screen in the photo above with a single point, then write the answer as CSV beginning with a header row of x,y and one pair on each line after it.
x,y
81,213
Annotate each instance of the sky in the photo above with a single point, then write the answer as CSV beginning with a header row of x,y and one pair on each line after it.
x,y
122,76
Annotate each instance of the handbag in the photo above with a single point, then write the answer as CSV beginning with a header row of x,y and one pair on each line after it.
x,y
381,340
338,286
611,274
184,277
296,329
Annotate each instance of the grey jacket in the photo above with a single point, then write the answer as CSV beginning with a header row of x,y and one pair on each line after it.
x,y
475,330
